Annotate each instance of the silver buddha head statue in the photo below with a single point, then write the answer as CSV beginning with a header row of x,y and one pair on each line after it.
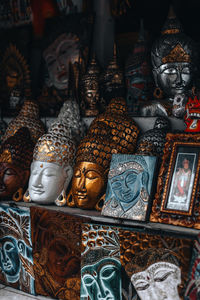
x,y
173,58
51,169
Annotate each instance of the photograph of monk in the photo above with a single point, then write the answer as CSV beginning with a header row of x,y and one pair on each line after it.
x,y
182,182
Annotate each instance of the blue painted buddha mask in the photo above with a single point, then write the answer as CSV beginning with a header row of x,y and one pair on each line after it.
x,y
102,279
127,181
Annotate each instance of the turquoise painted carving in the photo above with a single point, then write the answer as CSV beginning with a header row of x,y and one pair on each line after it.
x,y
100,263
129,186
16,261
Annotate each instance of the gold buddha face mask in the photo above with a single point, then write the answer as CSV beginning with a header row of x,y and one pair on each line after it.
x,y
88,184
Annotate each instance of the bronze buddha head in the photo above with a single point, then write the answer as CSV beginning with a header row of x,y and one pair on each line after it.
x,y
91,91
111,132
15,159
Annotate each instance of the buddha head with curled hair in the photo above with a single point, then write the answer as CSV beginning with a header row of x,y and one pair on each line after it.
x,y
111,132
51,169
16,154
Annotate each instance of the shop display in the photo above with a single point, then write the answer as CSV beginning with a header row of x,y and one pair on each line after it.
x,y
56,253
16,259
27,117
142,242
128,194
177,197
111,132
174,59
52,166
15,159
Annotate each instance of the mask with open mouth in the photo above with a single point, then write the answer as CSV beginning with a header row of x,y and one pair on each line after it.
x,y
192,116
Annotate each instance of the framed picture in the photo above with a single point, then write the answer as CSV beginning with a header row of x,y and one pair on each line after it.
x,y
177,198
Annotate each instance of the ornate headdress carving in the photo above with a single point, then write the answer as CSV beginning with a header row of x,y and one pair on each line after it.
x,y
92,75
177,55
27,117
124,167
56,146
18,149
13,224
151,256
13,60
173,45
113,76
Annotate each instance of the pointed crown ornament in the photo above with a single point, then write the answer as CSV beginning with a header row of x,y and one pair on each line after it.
x,y
113,75
90,80
173,45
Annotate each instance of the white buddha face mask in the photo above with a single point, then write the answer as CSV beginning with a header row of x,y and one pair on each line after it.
x,y
47,181
158,282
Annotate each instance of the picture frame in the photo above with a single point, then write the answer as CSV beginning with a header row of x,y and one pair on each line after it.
x,y
177,198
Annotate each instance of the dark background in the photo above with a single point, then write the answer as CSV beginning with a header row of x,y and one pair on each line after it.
x,y
154,13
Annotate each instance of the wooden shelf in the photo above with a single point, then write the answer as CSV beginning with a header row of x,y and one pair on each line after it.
x,y
91,216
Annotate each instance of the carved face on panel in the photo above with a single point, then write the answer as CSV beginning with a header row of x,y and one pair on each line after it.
x,y
47,181
88,184
9,257
12,177
61,263
174,78
102,279
58,56
127,186
16,261
158,282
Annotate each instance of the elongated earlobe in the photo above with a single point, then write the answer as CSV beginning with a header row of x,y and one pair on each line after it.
x,y
61,199
70,200
27,197
18,195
